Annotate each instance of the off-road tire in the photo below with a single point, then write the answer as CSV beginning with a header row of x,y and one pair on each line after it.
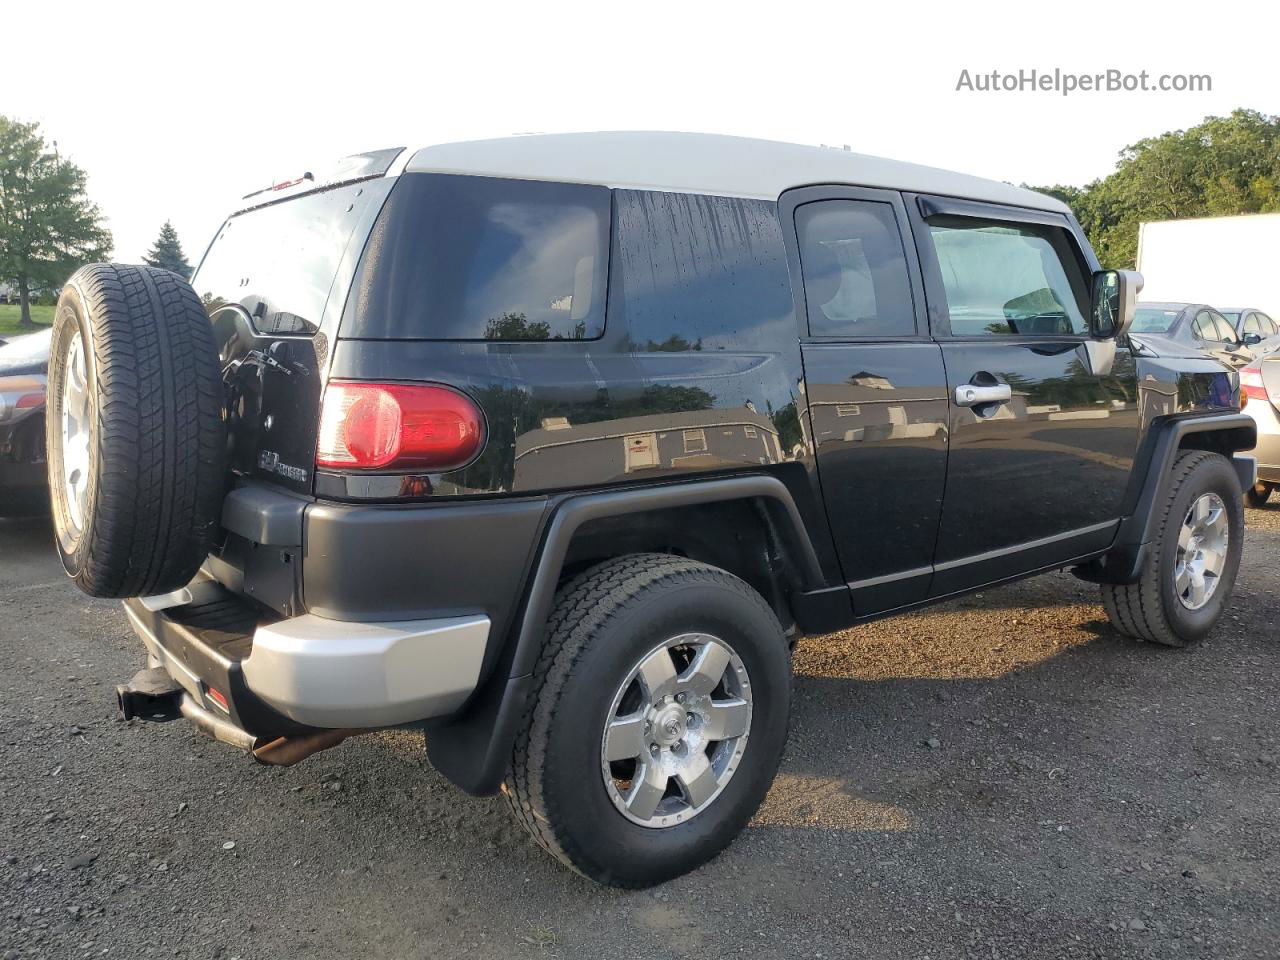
x,y
157,438
602,620
1150,609
1258,494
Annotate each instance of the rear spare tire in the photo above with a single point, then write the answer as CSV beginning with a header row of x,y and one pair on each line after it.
x,y
134,430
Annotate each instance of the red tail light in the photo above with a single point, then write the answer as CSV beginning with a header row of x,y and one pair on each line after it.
x,y
1251,385
391,426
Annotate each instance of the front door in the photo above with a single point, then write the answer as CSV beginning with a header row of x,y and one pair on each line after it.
x,y
875,390
1041,442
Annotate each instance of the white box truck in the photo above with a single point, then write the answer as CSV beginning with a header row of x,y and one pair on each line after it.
x,y
1221,261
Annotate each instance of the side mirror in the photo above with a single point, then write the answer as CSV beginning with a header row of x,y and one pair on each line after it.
x,y
1252,339
1115,298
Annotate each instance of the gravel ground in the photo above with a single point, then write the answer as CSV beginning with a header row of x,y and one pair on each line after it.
x,y
999,777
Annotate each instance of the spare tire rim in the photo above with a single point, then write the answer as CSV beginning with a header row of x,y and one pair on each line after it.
x,y
1202,551
676,731
77,432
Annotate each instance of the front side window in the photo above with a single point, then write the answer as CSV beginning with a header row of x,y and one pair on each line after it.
x,y
1006,279
1203,327
1226,332
483,258
855,272
1251,324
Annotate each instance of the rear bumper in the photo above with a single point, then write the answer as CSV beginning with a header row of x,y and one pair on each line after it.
x,y
276,677
336,673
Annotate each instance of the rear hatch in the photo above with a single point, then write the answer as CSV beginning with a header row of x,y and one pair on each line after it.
x,y
274,281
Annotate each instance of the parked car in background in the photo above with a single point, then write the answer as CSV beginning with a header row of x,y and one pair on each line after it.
x,y
1173,328
1260,383
24,364
1258,331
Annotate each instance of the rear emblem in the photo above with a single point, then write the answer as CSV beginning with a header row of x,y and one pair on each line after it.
x,y
269,461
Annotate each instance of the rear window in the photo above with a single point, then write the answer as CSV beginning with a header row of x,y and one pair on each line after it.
x,y
279,261
1153,320
483,258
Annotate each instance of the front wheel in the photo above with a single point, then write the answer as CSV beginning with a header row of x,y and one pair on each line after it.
x,y
657,721
1191,567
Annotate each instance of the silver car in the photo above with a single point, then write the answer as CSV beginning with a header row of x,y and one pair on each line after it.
x,y
1260,382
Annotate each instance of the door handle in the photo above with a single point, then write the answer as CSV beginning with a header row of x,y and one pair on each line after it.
x,y
971,395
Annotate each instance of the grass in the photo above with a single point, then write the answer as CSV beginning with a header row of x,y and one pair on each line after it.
x,y
10,313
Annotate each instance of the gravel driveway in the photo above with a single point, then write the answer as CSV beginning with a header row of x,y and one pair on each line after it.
x,y
999,777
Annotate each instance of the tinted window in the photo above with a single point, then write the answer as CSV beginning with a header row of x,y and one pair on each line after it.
x,y
481,258
699,273
855,271
1009,279
279,261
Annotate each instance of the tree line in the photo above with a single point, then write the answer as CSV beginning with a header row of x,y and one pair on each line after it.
x,y
48,225
1221,167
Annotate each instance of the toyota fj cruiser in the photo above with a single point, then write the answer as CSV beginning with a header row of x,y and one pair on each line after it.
x,y
550,446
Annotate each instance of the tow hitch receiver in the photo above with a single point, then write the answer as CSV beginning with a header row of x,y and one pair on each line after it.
x,y
150,695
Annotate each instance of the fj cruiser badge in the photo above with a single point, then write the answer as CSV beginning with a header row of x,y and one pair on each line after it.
x,y
269,461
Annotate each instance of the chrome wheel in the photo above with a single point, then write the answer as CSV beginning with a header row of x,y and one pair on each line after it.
x,y
1202,551
676,731
77,433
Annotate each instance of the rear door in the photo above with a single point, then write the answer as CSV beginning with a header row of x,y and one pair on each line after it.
x,y
875,388
1041,445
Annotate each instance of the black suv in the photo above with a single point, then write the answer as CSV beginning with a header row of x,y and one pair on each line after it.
x,y
551,446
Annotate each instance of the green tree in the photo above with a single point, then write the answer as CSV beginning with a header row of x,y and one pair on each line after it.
x,y
166,253
1221,167
48,226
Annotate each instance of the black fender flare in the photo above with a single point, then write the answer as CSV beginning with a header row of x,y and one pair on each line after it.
x,y
473,748
1231,433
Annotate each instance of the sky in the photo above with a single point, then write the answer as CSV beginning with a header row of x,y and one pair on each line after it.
x,y
175,110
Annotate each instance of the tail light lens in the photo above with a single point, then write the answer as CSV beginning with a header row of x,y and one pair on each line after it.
x,y
391,426
1251,385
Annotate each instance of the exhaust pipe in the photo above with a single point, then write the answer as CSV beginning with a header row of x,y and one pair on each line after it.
x,y
286,751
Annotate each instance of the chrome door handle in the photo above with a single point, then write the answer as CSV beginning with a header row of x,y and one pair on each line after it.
x,y
970,395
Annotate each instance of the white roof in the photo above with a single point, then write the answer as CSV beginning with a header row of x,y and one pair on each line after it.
x,y
703,163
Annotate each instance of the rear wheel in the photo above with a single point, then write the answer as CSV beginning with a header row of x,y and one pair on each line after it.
x,y
1259,493
133,430
657,722
1191,567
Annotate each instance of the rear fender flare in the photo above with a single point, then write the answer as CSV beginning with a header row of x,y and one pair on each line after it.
x,y
473,749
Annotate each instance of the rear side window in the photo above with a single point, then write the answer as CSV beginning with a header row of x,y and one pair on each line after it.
x,y
279,261
855,272
1005,279
483,258
695,272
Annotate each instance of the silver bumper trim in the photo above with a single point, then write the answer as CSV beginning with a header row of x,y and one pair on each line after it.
x,y
334,673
